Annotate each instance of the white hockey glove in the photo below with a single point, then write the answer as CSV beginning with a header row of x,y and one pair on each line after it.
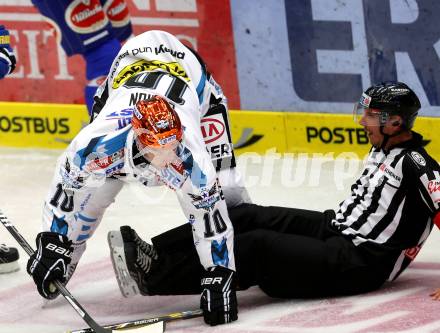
x,y
50,262
219,300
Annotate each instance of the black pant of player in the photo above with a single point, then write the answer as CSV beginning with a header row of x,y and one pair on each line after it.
x,y
286,252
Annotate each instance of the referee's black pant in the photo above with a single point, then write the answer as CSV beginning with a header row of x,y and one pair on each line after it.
x,y
287,252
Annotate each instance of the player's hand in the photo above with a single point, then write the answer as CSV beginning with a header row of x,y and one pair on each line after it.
x,y
50,262
7,57
218,300
435,295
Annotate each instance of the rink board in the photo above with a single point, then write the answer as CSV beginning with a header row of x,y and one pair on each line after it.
x,y
40,125
54,126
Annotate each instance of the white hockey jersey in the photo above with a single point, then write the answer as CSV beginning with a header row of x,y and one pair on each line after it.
x,y
103,155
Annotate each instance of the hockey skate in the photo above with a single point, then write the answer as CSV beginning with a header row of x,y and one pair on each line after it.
x,y
8,259
132,259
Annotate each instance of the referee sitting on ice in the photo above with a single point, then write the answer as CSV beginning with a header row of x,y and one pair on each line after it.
x,y
370,238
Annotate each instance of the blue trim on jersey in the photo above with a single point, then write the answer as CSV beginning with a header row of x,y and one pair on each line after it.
x,y
84,218
59,225
108,147
82,237
198,178
219,252
201,87
85,228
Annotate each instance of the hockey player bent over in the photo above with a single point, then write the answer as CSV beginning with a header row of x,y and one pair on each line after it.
x,y
147,129
371,237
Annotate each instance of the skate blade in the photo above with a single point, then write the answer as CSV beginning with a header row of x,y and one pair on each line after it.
x,y
127,285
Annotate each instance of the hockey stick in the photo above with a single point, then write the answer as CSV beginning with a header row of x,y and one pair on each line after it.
x,y
148,321
67,295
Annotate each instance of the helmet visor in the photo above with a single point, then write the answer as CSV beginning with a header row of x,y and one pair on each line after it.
x,y
156,123
160,156
367,116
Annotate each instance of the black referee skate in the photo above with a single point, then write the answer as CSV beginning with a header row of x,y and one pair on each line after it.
x,y
132,259
8,259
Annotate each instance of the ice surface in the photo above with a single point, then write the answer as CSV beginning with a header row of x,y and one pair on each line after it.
x,y
319,183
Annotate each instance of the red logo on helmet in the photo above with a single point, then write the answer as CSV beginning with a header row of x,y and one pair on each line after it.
x,y
117,12
85,16
212,129
365,100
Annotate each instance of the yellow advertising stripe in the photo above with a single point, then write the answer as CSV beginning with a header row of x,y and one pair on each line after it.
x,y
55,125
298,132
40,125
338,133
258,131
325,133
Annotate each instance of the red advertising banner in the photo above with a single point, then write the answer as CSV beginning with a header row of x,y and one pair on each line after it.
x,y
45,74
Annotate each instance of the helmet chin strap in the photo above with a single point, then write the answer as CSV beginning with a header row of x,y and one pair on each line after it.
x,y
386,137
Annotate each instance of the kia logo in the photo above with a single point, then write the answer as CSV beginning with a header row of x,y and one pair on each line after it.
x,y
212,129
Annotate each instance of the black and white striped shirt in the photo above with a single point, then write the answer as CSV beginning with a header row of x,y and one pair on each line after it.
x,y
394,203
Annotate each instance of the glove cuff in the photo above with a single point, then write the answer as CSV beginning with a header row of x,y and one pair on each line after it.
x,y
59,238
218,278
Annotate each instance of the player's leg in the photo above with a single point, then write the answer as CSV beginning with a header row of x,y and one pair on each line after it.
x,y
283,265
247,217
154,269
295,266
178,267
314,252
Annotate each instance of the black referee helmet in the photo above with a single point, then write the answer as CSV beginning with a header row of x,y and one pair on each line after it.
x,y
394,98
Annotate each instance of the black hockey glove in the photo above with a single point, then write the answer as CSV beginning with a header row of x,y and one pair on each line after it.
x,y
50,262
218,301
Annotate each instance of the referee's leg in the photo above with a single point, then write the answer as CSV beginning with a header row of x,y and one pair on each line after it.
x,y
247,217
296,266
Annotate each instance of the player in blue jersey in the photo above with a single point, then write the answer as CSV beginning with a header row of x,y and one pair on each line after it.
x,y
93,29
7,57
